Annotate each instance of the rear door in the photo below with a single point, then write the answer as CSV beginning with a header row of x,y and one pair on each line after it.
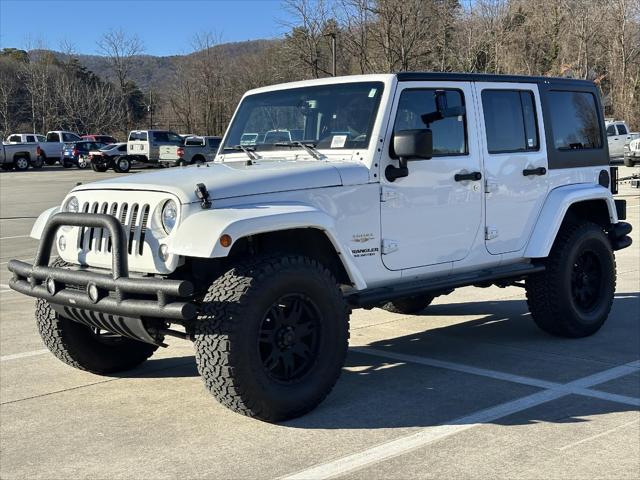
x,y
615,141
515,162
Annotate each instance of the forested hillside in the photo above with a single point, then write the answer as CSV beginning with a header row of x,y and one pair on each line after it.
x,y
123,88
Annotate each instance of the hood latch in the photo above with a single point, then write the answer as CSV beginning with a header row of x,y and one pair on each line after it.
x,y
203,195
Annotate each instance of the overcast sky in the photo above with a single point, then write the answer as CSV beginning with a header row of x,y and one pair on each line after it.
x,y
166,27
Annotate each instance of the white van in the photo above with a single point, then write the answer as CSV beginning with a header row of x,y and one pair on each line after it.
x,y
144,145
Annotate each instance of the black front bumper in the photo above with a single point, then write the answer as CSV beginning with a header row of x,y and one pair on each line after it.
x,y
118,293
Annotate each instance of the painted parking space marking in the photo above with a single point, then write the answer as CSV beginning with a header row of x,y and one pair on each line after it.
x,y
16,356
15,236
428,435
592,437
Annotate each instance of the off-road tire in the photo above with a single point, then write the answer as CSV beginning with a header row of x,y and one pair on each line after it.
x,y
409,305
550,296
227,332
76,345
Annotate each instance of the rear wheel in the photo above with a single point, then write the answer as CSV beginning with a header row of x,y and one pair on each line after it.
x,y
122,165
409,305
198,159
272,337
21,164
38,163
85,348
49,161
573,296
98,168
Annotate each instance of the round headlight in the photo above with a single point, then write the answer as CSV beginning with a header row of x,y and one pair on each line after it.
x,y
169,215
72,205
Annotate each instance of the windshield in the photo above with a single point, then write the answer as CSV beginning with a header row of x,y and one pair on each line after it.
x,y
337,116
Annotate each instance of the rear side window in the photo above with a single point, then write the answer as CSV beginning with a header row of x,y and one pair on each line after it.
x,y
53,137
140,136
574,120
510,121
214,142
611,131
198,142
70,137
449,133
31,139
622,130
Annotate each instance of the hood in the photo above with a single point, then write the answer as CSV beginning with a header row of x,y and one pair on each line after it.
x,y
236,179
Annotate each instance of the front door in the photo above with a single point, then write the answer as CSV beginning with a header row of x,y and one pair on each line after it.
x,y
432,216
515,162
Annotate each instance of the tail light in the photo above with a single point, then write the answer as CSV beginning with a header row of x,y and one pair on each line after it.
x,y
180,152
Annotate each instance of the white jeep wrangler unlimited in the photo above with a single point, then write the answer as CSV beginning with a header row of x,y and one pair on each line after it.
x,y
389,191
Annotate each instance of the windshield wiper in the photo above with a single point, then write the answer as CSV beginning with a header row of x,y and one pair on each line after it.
x,y
251,152
310,148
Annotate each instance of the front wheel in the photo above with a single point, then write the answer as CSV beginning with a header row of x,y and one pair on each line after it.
x,y
98,168
272,337
85,348
49,161
67,164
82,162
573,296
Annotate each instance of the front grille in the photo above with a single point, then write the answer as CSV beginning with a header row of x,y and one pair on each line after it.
x,y
133,217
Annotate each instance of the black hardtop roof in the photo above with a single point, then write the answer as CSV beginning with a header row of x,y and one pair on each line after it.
x,y
486,77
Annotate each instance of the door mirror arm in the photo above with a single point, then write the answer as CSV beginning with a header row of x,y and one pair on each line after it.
x,y
392,172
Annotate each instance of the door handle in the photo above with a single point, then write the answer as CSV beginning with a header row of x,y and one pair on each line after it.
x,y
473,176
534,171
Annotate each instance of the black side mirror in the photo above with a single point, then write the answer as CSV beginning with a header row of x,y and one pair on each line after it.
x,y
413,144
409,145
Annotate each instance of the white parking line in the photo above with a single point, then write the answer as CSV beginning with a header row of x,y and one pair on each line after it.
x,y
429,435
16,236
588,439
15,356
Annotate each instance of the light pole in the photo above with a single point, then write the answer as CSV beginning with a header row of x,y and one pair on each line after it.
x,y
333,52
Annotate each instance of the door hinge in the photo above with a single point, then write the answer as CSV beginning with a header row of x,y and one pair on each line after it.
x,y
389,246
490,187
490,233
387,194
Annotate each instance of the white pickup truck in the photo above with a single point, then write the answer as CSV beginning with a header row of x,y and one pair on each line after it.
x,y
54,145
401,188
618,134
20,156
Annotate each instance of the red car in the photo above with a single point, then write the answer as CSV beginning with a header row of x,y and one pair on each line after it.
x,y
100,138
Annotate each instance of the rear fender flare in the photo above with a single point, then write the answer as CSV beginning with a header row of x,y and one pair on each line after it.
x,y
554,210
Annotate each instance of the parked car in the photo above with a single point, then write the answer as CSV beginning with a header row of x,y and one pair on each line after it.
x,y
108,139
144,145
25,138
617,135
77,153
194,150
439,181
20,156
54,144
110,156
632,151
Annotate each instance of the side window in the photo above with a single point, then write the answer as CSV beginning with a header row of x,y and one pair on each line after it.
x,y
53,137
31,139
160,137
69,137
510,120
611,131
574,120
15,138
622,130
449,134
175,138
214,142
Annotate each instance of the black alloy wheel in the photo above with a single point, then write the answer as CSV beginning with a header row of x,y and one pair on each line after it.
x,y
289,337
586,281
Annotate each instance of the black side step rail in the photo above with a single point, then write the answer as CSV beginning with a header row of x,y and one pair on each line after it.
x,y
374,297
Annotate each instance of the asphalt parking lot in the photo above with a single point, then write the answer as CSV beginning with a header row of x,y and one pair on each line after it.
x,y
468,389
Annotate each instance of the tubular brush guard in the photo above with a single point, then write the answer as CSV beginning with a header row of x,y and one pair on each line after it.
x,y
116,293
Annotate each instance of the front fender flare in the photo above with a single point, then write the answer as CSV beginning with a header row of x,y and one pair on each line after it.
x,y
198,235
554,210
41,221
